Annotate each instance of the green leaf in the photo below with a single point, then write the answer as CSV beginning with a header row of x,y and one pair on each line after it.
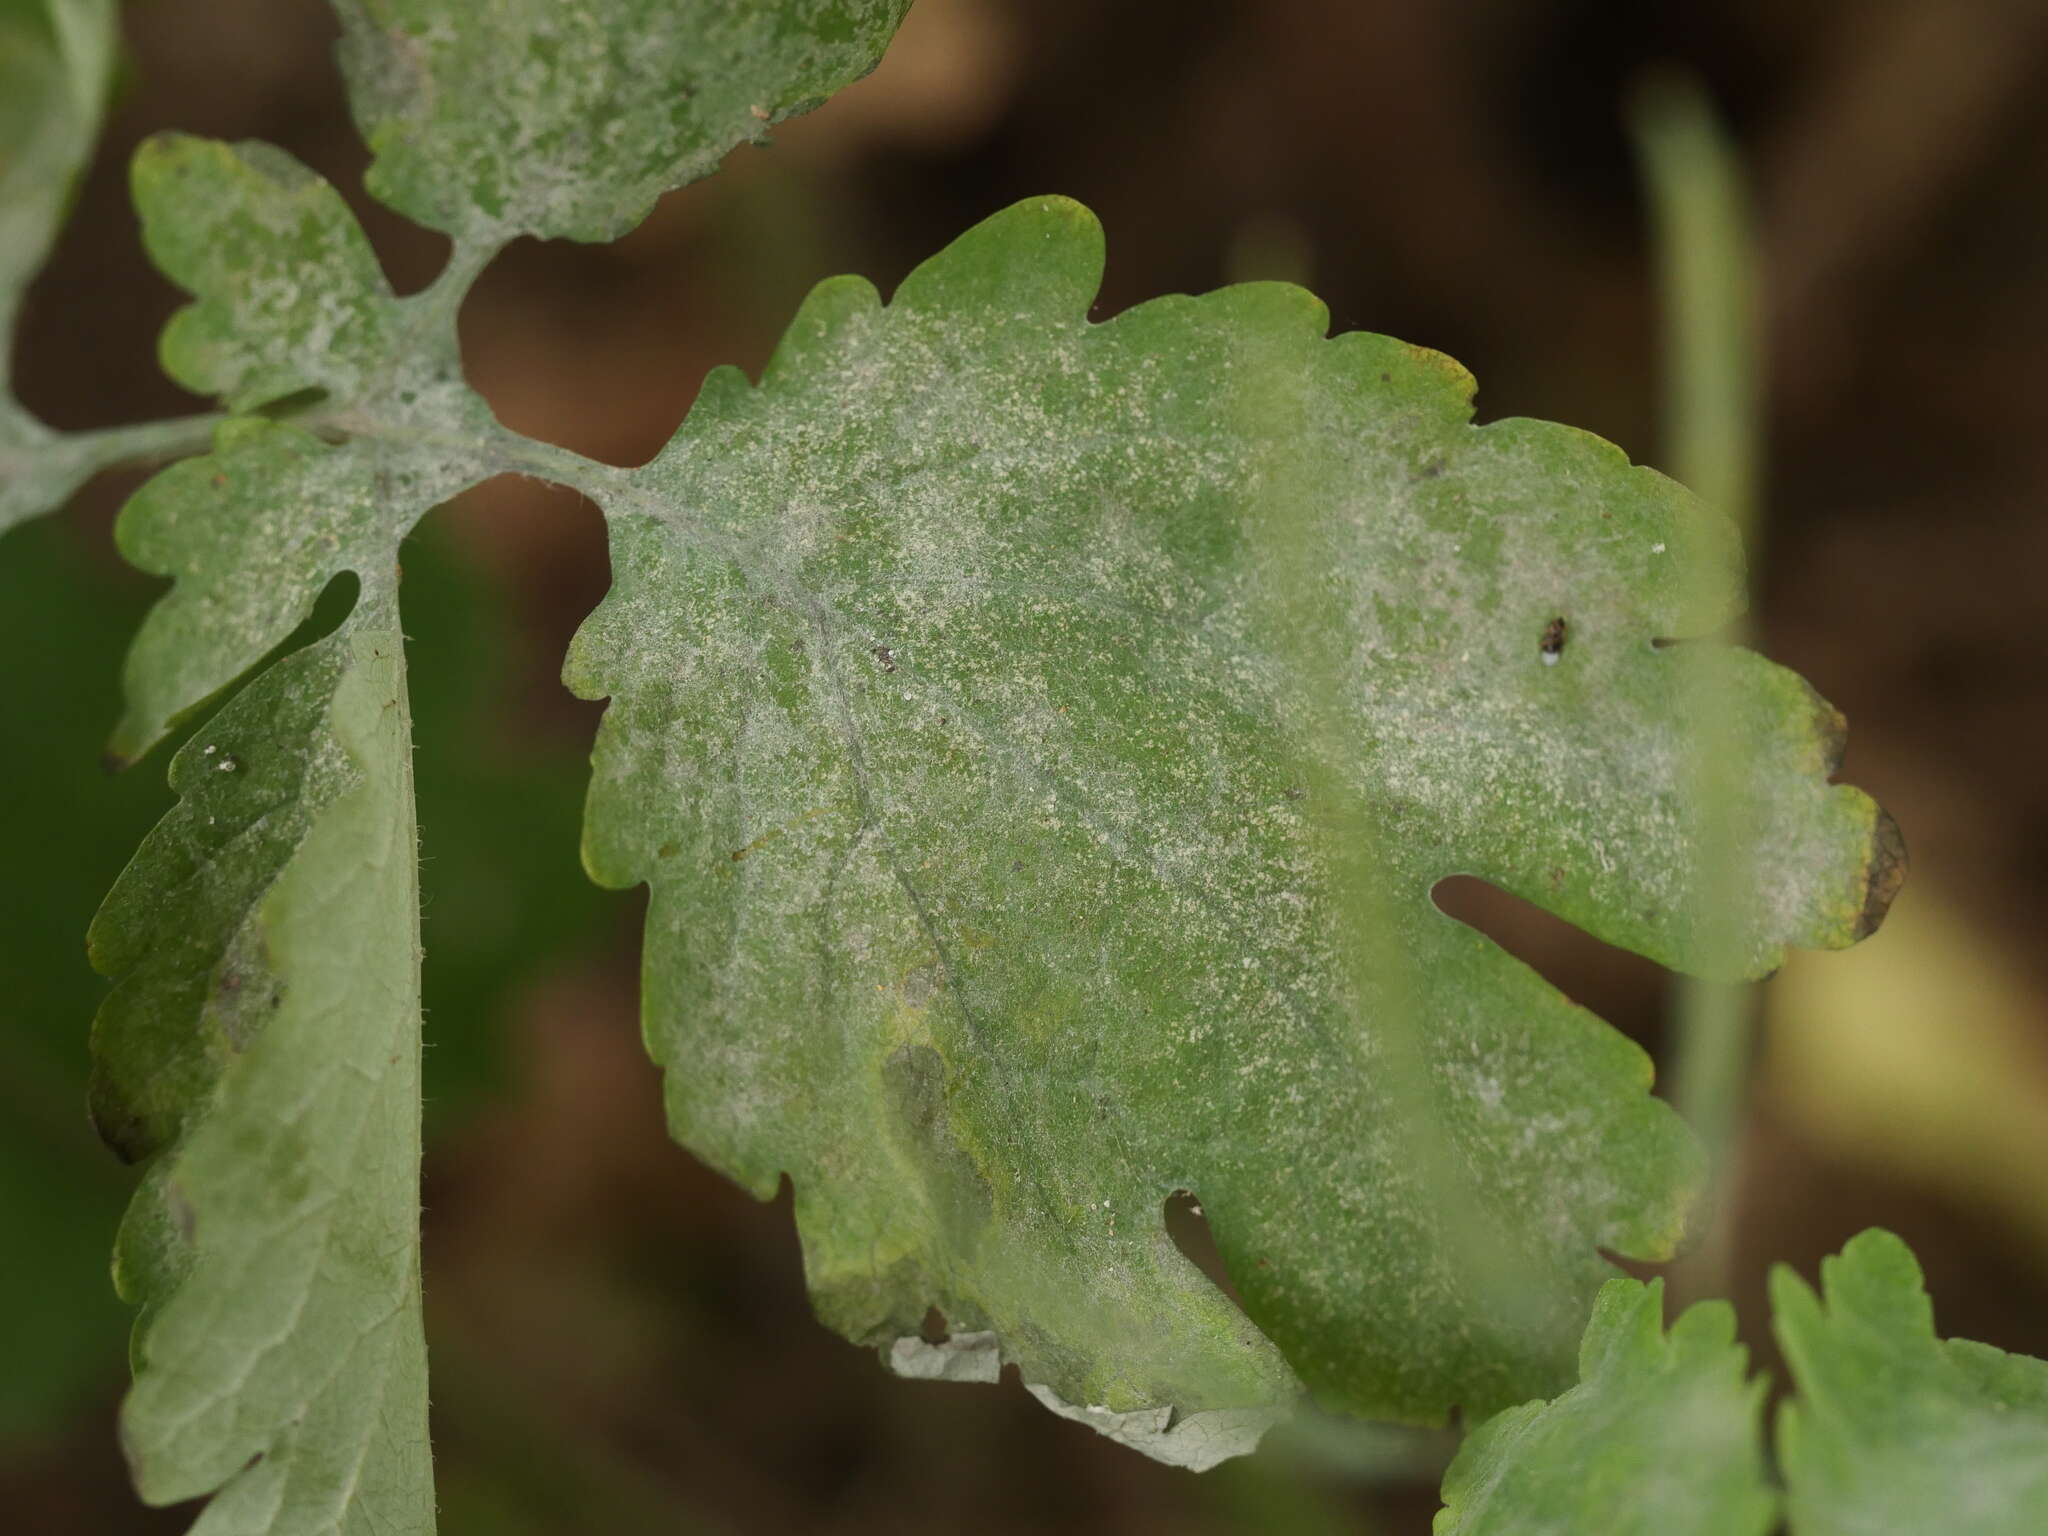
x,y
1894,1430
289,294
263,1042
968,725
56,62
290,304
569,120
252,532
1661,1437
509,912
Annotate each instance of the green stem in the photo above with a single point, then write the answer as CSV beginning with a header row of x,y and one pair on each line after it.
x,y
437,305
1713,395
143,442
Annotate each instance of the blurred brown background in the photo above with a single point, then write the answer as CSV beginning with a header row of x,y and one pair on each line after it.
x,y
621,1341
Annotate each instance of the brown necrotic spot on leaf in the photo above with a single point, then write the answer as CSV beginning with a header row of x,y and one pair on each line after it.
x,y
1886,873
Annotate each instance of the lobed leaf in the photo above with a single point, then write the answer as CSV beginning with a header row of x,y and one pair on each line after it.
x,y
1660,1438
56,63
1895,1431
290,302
262,1041
531,117
252,532
63,610
1041,739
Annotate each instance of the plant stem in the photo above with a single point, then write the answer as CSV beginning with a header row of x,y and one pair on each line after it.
x,y
1712,408
143,442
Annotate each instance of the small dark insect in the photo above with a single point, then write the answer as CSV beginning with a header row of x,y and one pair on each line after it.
x,y
1552,644
886,657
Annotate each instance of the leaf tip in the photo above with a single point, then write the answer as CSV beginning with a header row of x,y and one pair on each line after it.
x,y
1042,256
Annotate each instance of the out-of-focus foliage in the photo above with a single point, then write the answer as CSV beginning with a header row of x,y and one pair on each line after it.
x,y
967,729
1894,1431
1662,1436
56,60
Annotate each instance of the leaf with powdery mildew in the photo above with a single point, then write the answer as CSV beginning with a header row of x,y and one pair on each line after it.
x,y
252,532
288,294
533,117
56,60
288,300
1896,1432
1662,1436
995,828
262,1043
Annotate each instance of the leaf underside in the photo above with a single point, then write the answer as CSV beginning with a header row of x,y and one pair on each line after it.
x,y
1041,739
262,1039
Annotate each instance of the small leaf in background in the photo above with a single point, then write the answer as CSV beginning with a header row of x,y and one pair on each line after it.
x,y
56,62
288,295
962,730
1894,1431
262,1041
1662,1436
570,120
